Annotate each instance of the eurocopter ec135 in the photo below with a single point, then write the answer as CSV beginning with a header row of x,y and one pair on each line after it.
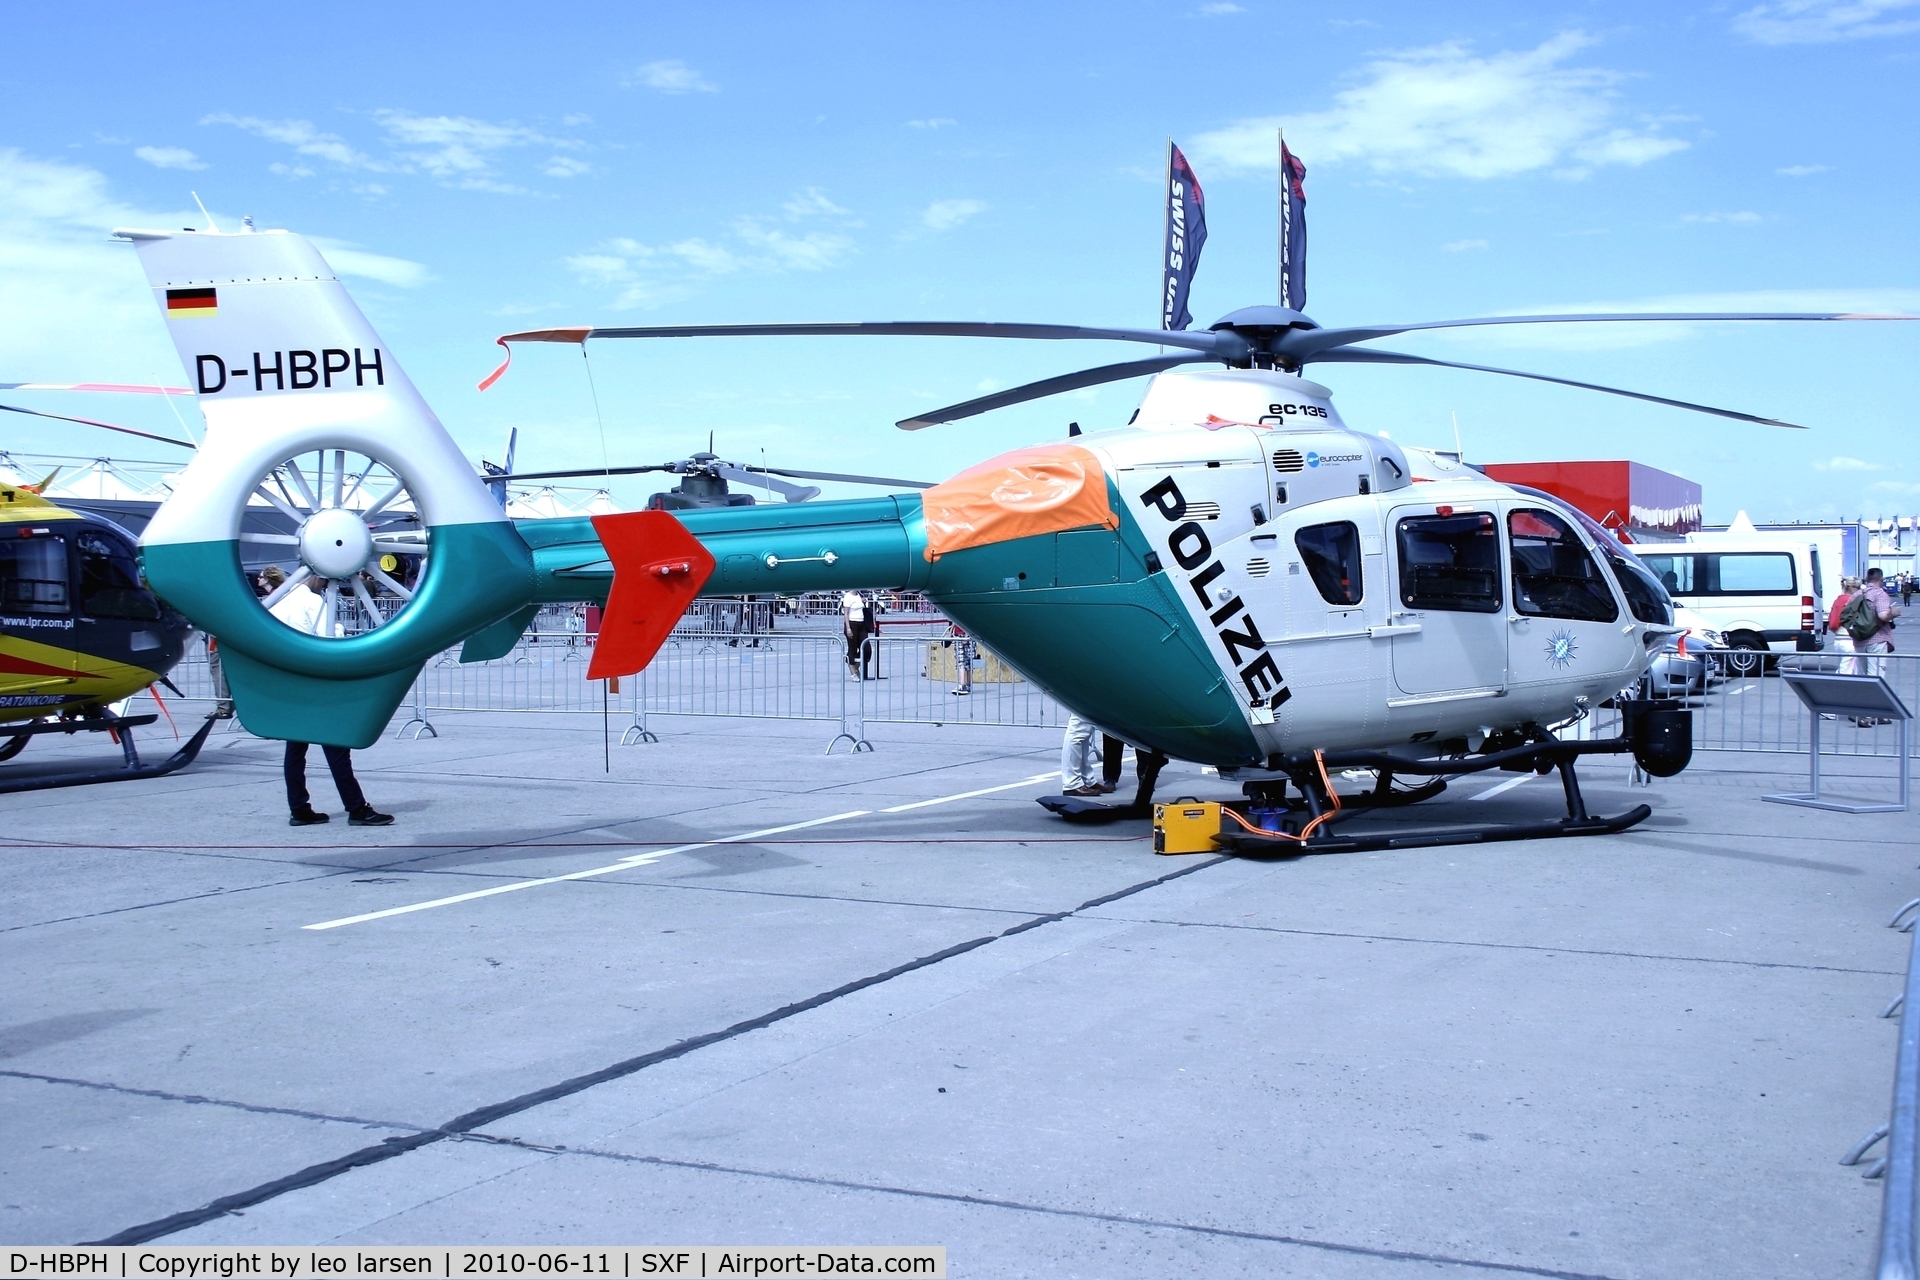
x,y
1235,577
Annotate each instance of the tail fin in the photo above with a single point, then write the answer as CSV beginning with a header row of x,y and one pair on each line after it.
x,y
286,366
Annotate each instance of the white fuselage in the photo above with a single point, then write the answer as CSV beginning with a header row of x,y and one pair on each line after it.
x,y
1380,640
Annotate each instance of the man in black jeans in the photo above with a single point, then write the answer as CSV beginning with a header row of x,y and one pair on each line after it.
x,y
340,764
304,610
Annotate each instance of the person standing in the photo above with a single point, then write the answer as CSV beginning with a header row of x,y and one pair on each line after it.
x,y
962,658
1076,759
1881,641
305,610
1837,634
1111,751
856,620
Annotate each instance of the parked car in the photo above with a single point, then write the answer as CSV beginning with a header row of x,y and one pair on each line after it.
x,y
1686,663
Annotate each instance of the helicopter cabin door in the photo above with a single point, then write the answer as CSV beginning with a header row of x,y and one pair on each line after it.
x,y
37,659
1447,618
1564,621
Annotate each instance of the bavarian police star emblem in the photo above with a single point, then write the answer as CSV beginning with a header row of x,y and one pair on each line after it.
x,y
1561,648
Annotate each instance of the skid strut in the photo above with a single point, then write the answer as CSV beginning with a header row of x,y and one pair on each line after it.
x,y
1324,807
122,728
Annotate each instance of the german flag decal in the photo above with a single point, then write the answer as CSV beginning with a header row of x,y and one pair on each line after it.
x,y
186,304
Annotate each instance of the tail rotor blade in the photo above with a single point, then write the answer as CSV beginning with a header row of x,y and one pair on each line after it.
x,y
1048,387
1369,355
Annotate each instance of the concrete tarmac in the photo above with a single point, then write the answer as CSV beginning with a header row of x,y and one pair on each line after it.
x,y
961,1022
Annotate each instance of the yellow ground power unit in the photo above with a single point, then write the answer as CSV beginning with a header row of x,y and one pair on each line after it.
x,y
1186,826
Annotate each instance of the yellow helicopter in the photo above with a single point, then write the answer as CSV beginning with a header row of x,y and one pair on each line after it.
x,y
79,632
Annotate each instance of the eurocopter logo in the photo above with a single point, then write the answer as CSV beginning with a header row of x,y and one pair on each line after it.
x,y
289,370
1315,459
1190,548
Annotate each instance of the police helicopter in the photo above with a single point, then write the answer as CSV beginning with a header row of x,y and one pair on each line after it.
x,y
1236,577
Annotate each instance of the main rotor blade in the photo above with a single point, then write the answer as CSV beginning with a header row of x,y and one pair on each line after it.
x,y
847,479
1225,345
1370,355
504,478
1048,387
762,480
1304,344
104,426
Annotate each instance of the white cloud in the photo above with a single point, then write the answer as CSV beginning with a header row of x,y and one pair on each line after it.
x,y
75,306
937,122
1445,112
1744,218
350,261
811,203
670,75
1801,170
1824,21
1461,246
456,149
653,274
811,252
943,215
304,138
1219,9
1840,462
169,157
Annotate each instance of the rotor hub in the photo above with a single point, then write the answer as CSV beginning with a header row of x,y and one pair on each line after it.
x,y
335,543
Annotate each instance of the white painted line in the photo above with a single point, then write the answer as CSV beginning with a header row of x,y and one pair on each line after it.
x,y
625,864
968,795
1508,785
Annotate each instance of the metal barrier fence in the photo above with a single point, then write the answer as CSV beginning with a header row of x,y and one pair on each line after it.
x,y
793,675
803,675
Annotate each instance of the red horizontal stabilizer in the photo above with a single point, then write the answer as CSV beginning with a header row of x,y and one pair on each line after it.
x,y
658,568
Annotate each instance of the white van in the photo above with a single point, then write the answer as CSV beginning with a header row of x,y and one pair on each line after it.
x,y
1760,591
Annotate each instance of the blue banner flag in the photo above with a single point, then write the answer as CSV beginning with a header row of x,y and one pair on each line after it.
x,y
1186,234
1293,231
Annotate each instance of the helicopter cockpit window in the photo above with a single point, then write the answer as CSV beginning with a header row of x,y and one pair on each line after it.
x,y
1450,562
33,573
1553,576
110,580
1331,553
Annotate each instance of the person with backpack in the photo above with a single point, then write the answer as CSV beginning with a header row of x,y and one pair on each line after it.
x,y
1837,636
1877,626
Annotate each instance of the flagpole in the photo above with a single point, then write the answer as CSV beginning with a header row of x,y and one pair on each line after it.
x,y
1280,158
1166,194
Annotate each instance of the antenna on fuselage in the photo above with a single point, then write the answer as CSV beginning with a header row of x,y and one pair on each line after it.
x,y
1458,451
211,224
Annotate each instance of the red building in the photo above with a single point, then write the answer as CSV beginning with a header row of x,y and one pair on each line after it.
x,y
1627,497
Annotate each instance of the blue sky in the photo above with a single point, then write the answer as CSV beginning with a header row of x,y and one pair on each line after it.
x,y
475,169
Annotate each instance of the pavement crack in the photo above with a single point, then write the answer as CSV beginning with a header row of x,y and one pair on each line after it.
x,y
1499,946
467,1124
1083,1215
201,1100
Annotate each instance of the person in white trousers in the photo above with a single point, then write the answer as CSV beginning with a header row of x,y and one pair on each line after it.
x,y
1077,758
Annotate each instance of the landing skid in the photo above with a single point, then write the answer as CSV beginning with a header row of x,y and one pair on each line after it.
x,y
1147,764
1322,807
131,767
